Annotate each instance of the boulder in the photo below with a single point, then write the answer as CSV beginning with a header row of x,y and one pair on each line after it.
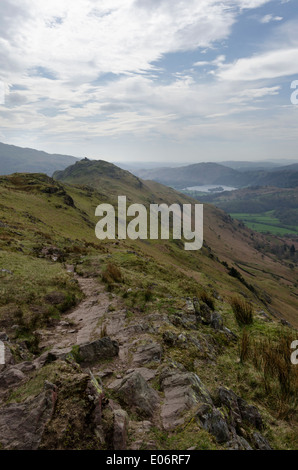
x,y
103,348
136,393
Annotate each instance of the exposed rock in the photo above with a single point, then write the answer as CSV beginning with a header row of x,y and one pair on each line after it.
x,y
147,374
120,429
55,355
103,348
183,391
22,424
132,330
238,443
217,321
10,377
205,314
212,420
250,414
239,410
135,392
138,431
260,442
230,334
229,399
25,367
180,320
189,305
147,353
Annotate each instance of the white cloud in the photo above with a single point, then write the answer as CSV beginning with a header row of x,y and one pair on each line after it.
x,y
268,18
273,64
78,42
217,62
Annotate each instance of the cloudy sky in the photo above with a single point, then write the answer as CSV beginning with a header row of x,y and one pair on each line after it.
x,y
150,80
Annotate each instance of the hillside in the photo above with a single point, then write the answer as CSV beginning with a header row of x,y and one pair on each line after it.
x,y
102,335
18,160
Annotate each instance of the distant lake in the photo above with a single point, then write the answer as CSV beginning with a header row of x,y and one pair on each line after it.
x,y
211,188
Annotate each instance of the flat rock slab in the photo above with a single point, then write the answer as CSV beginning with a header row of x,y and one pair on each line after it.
x,y
150,352
183,391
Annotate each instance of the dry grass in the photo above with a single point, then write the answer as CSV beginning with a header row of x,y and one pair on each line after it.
x,y
244,346
243,311
112,274
272,358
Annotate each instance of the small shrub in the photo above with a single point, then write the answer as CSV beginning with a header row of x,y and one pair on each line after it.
x,y
279,376
243,311
112,274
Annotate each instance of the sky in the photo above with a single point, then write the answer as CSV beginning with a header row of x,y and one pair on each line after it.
x,y
150,80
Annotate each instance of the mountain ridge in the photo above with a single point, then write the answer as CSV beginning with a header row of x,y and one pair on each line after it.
x,y
15,159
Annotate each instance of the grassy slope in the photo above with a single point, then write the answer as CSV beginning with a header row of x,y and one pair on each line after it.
x,y
34,216
35,212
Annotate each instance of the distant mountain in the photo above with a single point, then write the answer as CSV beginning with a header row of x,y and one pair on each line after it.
x,y
216,174
25,160
286,177
292,167
251,166
191,175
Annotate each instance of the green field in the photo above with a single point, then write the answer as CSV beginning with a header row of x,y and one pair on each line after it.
x,y
265,222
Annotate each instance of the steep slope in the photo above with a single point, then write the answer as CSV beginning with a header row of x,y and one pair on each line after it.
x,y
16,159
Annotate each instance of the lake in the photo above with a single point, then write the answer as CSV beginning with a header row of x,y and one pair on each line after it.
x,y
211,188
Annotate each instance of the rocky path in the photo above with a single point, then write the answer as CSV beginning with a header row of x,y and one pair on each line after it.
x,y
126,357
88,321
